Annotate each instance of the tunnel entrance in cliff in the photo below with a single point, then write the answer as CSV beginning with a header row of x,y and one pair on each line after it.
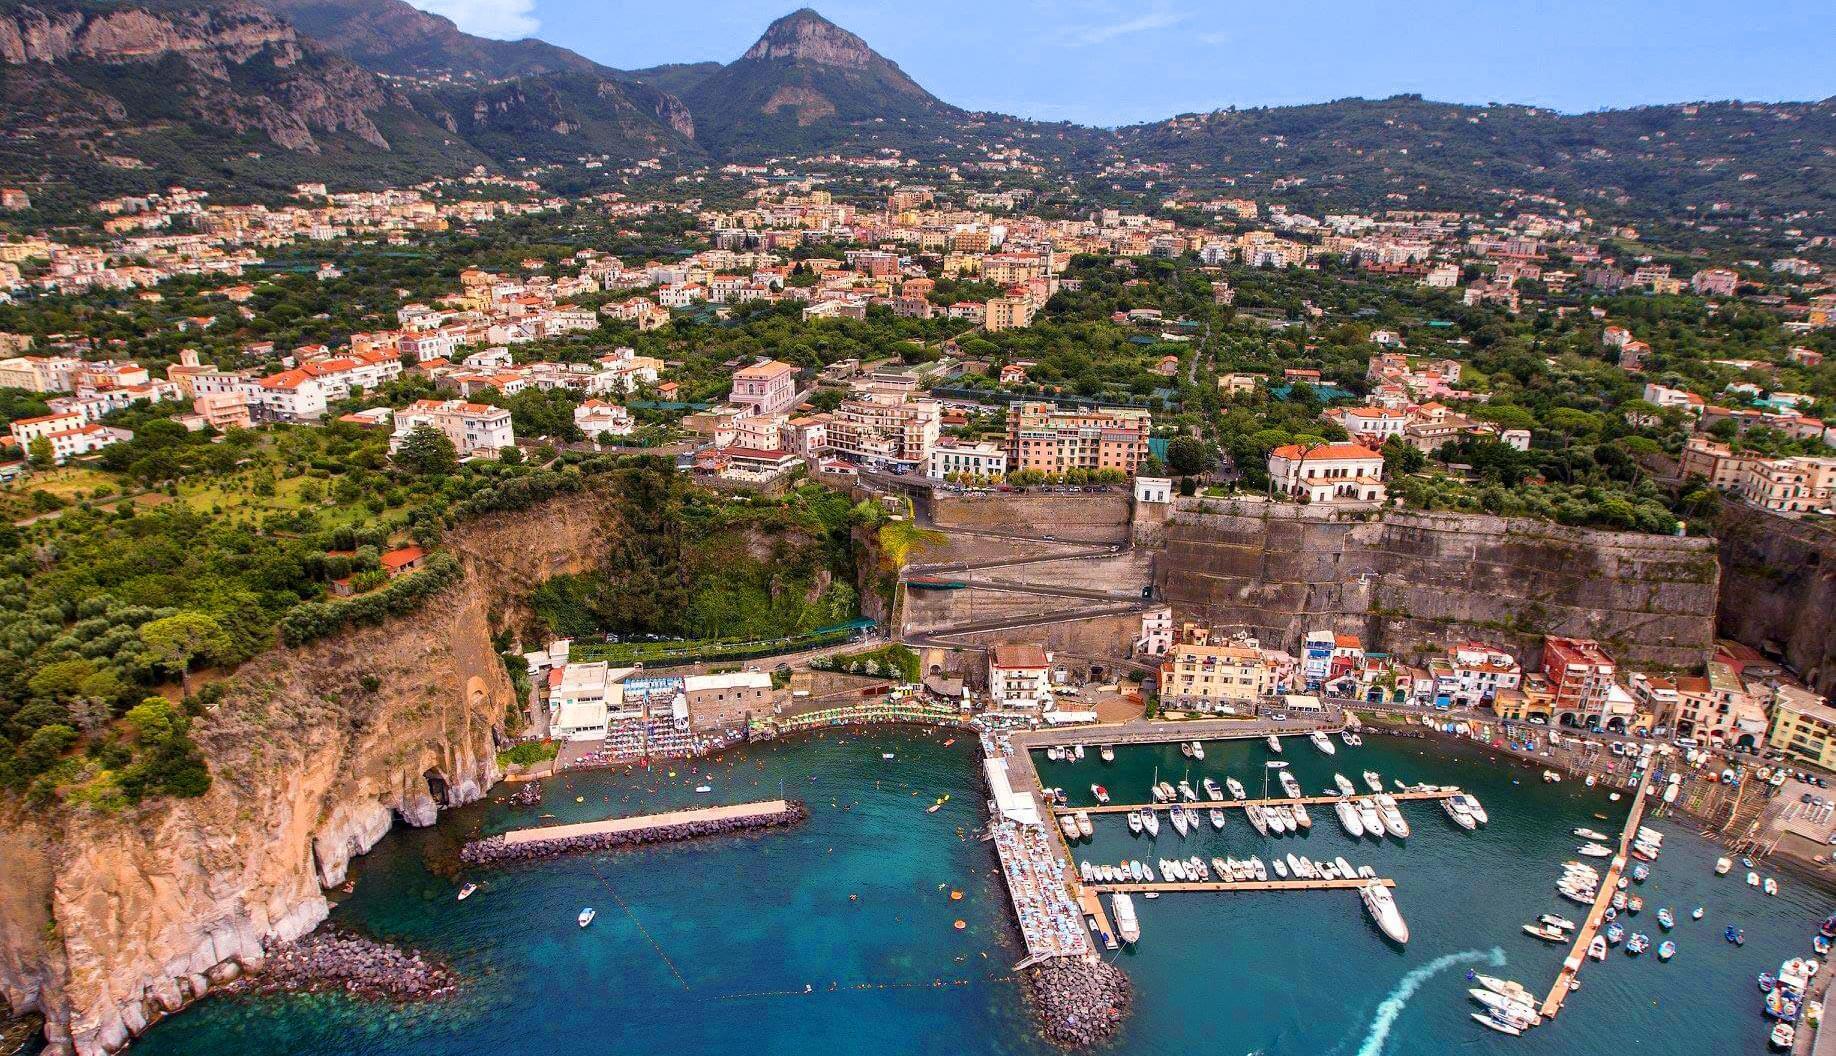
x,y
436,785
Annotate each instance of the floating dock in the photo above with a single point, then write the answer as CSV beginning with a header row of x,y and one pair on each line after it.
x,y
1238,804
770,808
1609,883
1342,884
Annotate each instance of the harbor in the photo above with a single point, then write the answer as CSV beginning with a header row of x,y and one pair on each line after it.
x,y
1239,804
842,930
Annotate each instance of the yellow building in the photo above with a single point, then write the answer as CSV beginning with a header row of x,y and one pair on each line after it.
x,y
1008,313
1803,727
1214,678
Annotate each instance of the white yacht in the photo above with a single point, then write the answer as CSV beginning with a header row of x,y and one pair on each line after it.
x,y
1217,819
1101,793
1346,788
1236,789
1186,794
1302,818
1198,750
1128,929
1373,780
1167,795
1109,753
1345,867
1150,820
1289,823
1457,811
1272,818
586,916
1085,872
1256,819
1322,742
1274,744
1257,869
1289,786
1212,791
1393,820
1281,869
1348,817
1135,872
1069,824
1373,820
1592,850
1134,823
1084,828
1180,824
1382,907
1473,808
1505,1005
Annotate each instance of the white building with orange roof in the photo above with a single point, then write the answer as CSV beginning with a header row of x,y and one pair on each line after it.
x,y
1373,423
597,418
1327,473
474,428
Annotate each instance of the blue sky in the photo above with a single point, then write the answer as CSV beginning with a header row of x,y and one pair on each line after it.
x,y
1112,61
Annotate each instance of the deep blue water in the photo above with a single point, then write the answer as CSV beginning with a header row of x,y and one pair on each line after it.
x,y
707,947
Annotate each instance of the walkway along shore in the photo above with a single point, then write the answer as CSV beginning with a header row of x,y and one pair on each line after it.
x,y
523,845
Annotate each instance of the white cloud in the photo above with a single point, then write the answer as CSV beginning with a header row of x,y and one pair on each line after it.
x,y
1100,33
502,19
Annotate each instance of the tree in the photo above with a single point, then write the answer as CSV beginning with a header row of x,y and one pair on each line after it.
x,y
183,637
40,453
1189,456
427,452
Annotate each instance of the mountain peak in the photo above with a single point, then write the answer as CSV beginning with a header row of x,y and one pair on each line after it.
x,y
803,36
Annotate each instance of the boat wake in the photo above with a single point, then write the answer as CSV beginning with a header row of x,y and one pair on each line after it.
x,y
1391,1006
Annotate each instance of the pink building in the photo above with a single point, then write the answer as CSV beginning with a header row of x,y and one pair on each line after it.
x,y
767,388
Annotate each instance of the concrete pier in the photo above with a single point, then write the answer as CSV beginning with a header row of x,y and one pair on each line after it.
x,y
1609,883
1235,804
1342,884
671,819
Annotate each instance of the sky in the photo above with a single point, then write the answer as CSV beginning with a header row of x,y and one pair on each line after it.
x,y
1111,62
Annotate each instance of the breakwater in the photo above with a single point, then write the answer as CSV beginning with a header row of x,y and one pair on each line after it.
x,y
525,845
1079,1002
352,964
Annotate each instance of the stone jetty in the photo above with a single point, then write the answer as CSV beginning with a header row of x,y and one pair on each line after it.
x,y
344,961
1079,1003
526,845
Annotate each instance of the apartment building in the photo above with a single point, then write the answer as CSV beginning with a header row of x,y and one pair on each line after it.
x,y
474,428
880,427
1580,675
1042,437
979,459
1007,313
1803,726
1203,677
1019,676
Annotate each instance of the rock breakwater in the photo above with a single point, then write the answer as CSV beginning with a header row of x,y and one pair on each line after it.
x,y
1078,1003
496,850
353,964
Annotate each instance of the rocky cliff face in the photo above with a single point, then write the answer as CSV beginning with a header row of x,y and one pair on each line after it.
x,y
236,66
108,922
1779,590
1413,582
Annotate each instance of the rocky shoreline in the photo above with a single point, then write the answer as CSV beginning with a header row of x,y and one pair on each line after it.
x,y
345,962
1078,1003
493,850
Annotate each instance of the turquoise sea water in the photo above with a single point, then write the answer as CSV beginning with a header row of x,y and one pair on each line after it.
x,y
708,947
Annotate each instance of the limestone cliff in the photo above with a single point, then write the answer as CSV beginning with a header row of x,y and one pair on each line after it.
x,y
108,921
1412,582
1779,590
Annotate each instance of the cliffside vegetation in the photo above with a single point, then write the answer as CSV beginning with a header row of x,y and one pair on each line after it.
x,y
183,555
688,564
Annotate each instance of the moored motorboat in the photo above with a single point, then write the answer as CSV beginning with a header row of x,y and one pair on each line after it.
x,y
1590,834
1498,1023
1615,934
1595,850
1109,753
1068,825
1753,879
1217,819
1257,819
1236,789
1597,949
1128,928
1373,780
1212,791
1302,818
1506,987
1770,886
1258,869
1666,950
1457,812
1545,932
1101,793
1722,865
1281,868
1346,788
1289,786
1636,944
1289,823
1274,744
1783,1036
1372,818
1322,742
1198,750
1084,828
1554,921
1382,907
1134,823
1393,821
1178,817
1150,820
467,891
1666,919
1167,795
1500,1003
1348,818
1186,794
586,916
1473,808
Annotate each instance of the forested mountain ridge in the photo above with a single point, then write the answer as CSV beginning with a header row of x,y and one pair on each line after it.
x,y
253,95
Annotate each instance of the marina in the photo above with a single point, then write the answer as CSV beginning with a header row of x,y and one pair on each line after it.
x,y
1352,884
1609,885
890,969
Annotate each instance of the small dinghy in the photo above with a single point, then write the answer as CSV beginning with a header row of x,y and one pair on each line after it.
x,y
1667,950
